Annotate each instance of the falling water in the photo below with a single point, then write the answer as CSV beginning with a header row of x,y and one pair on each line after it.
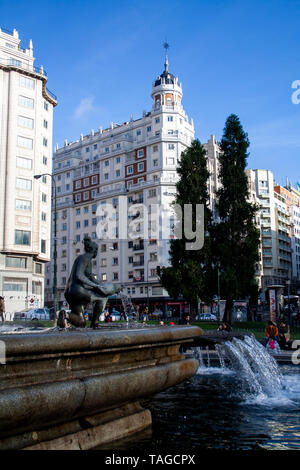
x,y
257,370
220,353
208,356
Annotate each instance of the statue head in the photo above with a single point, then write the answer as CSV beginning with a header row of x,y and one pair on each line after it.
x,y
90,246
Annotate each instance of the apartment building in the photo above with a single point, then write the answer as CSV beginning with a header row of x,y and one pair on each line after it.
x,y
275,226
133,163
26,115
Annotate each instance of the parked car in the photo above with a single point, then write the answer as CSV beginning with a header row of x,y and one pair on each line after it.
x,y
207,317
115,315
33,314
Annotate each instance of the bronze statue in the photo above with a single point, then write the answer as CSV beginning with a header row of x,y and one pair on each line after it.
x,y
83,288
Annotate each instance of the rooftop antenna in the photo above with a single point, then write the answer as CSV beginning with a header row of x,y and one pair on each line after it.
x,y
166,46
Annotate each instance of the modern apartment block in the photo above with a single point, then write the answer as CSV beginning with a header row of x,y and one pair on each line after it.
x,y
26,110
276,229
133,163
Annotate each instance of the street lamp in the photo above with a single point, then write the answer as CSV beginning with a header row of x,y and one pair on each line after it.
x,y
288,283
55,241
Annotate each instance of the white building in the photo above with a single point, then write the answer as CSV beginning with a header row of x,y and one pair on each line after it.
x,y
275,230
26,108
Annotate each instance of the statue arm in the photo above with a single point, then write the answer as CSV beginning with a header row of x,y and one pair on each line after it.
x,y
80,275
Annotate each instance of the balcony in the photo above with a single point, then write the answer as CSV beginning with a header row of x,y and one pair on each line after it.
x,y
139,247
138,263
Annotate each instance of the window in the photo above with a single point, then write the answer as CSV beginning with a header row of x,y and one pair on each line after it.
x,y
22,237
118,146
77,238
86,182
25,122
130,274
64,240
18,63
86,223
26,102
87,149
45,142
44,197
64,227
67,187
115,276
94,221
23,205
118,159
22,183
106,163
27,82
149,129
45,124
103,248
115,261
170,118
24,163
46,106
106,176
95,146
103,277
64,253
141,153
141,166
118,173
12,262
129,170
115,246
45,160
130,244
155,162
106,149
155,148
38,268
78,184
43,246
12,284
138,132
44,216
86,195
152,193
25,142
77,197
171,146
94,179
44,179
157,120
130,259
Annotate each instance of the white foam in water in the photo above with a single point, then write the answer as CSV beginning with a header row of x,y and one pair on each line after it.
x,y
257,371
259,374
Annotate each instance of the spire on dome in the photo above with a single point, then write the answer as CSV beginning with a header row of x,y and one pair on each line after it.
x,y
166,47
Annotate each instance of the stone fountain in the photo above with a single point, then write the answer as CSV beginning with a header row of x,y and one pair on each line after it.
x,y
78,388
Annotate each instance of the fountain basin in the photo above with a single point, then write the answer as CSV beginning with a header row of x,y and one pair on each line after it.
x,y
77,389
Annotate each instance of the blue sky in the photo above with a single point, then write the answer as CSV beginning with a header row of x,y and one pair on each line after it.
x,y
231,57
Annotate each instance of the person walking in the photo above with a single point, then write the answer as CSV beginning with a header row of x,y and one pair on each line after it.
x,y
2,308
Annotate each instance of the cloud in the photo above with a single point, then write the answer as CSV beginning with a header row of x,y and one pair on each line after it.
x,y
85,106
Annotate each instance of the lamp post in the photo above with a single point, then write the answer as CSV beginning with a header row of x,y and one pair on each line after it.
x,y
288,283
148,285
55,242
218,268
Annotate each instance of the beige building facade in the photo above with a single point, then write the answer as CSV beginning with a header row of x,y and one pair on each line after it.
x,y
26,116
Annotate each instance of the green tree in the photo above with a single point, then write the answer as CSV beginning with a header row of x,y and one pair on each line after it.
x,y
190,272
236,236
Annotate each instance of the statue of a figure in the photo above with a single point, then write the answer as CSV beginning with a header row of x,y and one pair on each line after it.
x,y
83,288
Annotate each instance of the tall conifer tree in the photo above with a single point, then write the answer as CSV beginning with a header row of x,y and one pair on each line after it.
x,y
236,237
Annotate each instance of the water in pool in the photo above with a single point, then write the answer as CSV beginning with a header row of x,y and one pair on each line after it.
x,y
247,404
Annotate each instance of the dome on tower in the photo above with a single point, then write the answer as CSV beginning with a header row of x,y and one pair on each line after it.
x,y
166,77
